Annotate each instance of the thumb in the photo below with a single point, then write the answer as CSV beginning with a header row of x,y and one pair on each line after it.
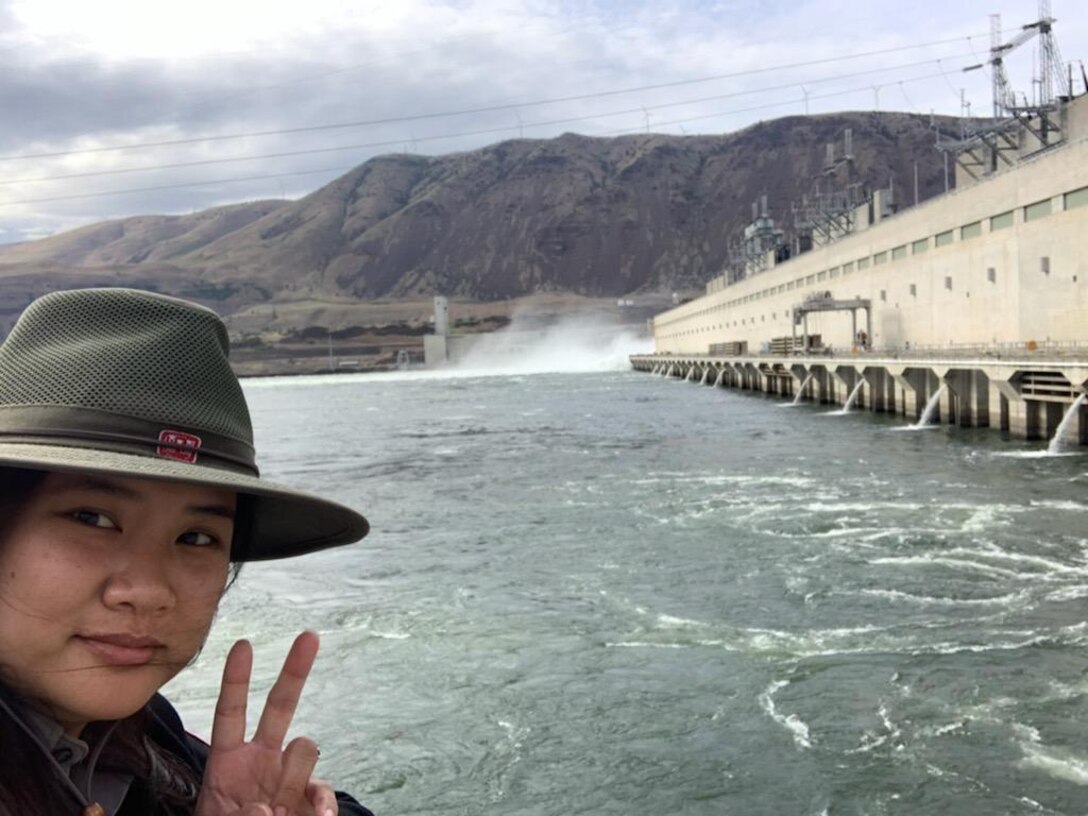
x,y
255,809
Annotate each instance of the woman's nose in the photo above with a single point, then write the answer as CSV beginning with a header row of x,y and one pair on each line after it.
x,y
141,581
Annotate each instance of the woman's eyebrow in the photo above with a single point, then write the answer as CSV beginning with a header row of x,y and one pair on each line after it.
x,y
97,484
222,510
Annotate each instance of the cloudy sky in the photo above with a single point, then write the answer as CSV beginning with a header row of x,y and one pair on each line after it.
x,y
110,108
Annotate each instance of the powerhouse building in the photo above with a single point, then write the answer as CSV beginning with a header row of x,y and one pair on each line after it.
x,y
1000,261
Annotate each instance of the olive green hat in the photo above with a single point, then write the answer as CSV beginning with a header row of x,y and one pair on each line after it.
x,y
128,383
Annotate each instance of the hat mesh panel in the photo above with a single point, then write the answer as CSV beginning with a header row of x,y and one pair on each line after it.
x,y
129,353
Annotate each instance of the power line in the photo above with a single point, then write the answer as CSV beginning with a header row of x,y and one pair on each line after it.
x,y
482,109
829,95
344,169
159,187
484,132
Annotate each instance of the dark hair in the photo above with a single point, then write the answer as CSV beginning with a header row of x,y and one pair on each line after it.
x,y
164,784
169,785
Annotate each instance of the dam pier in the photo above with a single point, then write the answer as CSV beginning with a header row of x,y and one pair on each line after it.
x,y
1029,396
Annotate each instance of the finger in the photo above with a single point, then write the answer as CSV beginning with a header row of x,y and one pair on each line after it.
x,y
229,725
256,810
322,798
299,760
282,700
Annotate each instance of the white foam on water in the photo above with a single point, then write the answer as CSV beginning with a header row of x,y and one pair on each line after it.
x,y
976,513
669,621
796,727
841,532
947,648
570,346
926,600
986,712
724,479
643,644
674,632
1032,454
1073,635
817,644
1057,763
984,518
809,643
941,730
1046,566
870,741
944,561
1058,504
1070,593
1065,691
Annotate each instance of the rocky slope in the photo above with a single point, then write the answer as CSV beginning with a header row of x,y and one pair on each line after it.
x,y
590,216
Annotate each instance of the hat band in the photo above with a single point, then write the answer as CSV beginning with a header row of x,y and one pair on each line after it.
x,y
71,426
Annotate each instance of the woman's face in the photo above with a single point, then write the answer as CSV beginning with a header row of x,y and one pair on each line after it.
x,y
108,587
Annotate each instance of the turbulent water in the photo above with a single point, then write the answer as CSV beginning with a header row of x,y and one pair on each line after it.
x,y
606,592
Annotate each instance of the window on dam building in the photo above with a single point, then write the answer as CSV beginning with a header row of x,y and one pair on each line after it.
x,y
972,230
1002,221
1076,198
1040,209
943,238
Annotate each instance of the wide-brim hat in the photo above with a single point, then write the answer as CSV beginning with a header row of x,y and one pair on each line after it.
x,y
128,383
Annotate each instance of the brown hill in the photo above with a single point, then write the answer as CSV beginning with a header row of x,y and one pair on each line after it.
x,y
589,216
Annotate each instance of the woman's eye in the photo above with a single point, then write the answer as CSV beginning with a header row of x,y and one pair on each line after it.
x,y
196,539
94,519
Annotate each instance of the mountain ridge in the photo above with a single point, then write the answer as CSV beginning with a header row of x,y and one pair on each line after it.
x,y
592,216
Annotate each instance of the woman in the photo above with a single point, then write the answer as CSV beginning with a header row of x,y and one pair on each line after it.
x,y
129,498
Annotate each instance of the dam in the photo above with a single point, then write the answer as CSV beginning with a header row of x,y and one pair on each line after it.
x,y
973,303
1027,396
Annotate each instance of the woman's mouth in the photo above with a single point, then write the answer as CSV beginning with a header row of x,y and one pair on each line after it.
x,y
121,649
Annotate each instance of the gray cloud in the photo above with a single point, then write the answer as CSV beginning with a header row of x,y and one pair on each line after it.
x,y
453,55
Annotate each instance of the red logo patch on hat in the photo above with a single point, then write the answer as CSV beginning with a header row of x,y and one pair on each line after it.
x,y
178,445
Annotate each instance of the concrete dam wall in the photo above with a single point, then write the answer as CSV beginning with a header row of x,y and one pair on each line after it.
x,y
1030,398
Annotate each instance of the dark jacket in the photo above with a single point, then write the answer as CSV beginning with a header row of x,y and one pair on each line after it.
x,y
167,731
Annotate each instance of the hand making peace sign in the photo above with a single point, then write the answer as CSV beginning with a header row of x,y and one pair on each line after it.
x,y
262,777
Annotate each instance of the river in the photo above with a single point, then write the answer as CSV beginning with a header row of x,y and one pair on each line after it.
x,y
604,592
